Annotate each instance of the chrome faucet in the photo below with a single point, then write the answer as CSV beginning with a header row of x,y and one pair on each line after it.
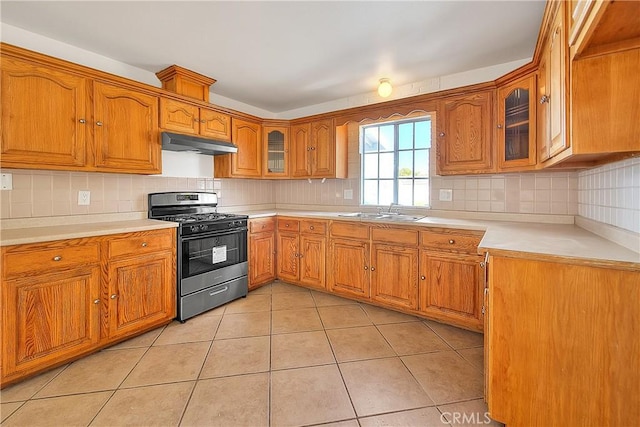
x,y
391,205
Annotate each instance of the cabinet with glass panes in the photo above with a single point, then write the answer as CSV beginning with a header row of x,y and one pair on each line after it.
x,y
276,149
516,124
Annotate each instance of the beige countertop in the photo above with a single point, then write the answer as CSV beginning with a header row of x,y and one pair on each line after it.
x,y
17,236
521,239
532,240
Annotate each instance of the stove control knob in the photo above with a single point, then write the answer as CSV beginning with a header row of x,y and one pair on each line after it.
x,y
193,228
203,227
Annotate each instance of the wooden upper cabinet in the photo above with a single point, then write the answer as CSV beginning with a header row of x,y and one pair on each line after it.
x,y
516,137
323,153
300,150
214,124
464,141
126,130
44,117
179,116
276,152
247,162
190,119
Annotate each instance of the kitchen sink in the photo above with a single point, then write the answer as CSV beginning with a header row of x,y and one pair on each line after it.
x,y
395,217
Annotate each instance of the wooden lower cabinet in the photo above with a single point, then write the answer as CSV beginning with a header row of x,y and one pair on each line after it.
x,y
302,252
558,330
64,299
451,287
349,267
313,254
288,252
48,319
394,275
141,293
262,259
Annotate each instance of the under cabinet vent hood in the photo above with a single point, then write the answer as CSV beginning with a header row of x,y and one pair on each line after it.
x,y
194,144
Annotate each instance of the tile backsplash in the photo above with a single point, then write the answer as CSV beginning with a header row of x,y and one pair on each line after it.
x,y
51,193
611,194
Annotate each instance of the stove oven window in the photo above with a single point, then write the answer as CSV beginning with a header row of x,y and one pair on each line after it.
x,y
204,254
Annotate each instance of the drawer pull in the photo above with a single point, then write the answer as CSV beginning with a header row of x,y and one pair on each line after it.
x,y
96,301
83,121
263,226
422,277
373,269
311,227
114,296
225,289
286,225
144,244
451,241
98,123
57,258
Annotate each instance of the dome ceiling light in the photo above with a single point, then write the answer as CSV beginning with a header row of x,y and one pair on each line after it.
x,y
384,88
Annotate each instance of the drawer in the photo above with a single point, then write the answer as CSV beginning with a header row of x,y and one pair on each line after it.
x,y
454,241
395,235
351,230
262,225
25,259
142,243
313,227
288,224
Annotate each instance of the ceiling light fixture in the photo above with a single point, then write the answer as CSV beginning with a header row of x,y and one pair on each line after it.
x,y
384,88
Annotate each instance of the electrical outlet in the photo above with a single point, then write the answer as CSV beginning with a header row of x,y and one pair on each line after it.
x,y
446,195
84,198
7,181
348,194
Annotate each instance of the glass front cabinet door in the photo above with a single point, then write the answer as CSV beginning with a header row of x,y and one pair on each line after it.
x,y
276,140
516,124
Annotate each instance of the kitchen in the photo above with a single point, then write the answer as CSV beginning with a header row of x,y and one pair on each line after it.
x,y
602,199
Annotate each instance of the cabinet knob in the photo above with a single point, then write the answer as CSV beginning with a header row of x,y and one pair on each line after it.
x,y
144,244
311,227
366,268
300,255
308,148
499,126
441,134
98,123
373,269
422,277
83,121
451,241
483,264
196,120
544,98
295,255
96,301
263,226
286,225
57,258
114,296
203,121
313,148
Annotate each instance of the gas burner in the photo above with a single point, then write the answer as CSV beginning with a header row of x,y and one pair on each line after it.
x,y
198,217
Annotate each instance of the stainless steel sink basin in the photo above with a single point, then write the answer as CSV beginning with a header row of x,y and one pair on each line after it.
x,y
394,217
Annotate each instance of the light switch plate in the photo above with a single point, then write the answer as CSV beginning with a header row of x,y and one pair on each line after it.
x,y
446,195
84,198
7,181
348,194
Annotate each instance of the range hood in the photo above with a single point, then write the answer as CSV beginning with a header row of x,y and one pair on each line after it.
x,y
194,144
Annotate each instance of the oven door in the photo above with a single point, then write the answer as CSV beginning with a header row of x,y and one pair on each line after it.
x,y
208,252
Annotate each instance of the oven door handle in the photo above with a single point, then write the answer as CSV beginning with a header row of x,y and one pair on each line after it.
x,y
214,234
219,291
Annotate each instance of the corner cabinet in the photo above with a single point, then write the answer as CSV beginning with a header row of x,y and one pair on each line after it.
x,y
516,139
276,152
464,134
247,162
68,298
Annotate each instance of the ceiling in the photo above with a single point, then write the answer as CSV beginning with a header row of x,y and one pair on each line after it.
x,y
284,55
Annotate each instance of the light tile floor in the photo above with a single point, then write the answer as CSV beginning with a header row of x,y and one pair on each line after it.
x,y
283,356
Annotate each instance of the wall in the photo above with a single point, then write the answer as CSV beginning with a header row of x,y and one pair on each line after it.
x,y
611,194
534,192
52,193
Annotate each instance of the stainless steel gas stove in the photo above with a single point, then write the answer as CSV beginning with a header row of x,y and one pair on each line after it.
x,y
212,250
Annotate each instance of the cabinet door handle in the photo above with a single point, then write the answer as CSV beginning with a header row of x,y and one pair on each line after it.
x,y
499,126
83,121
366,268
422,277
301,255
57,258
203,121
96,301
373,269
286,225
441,134
451,241
144,244
544,98
295,255
196,120
98,123
308,148
114,296
313,148
311,227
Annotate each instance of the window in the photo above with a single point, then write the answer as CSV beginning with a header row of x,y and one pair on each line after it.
x,y
395,162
